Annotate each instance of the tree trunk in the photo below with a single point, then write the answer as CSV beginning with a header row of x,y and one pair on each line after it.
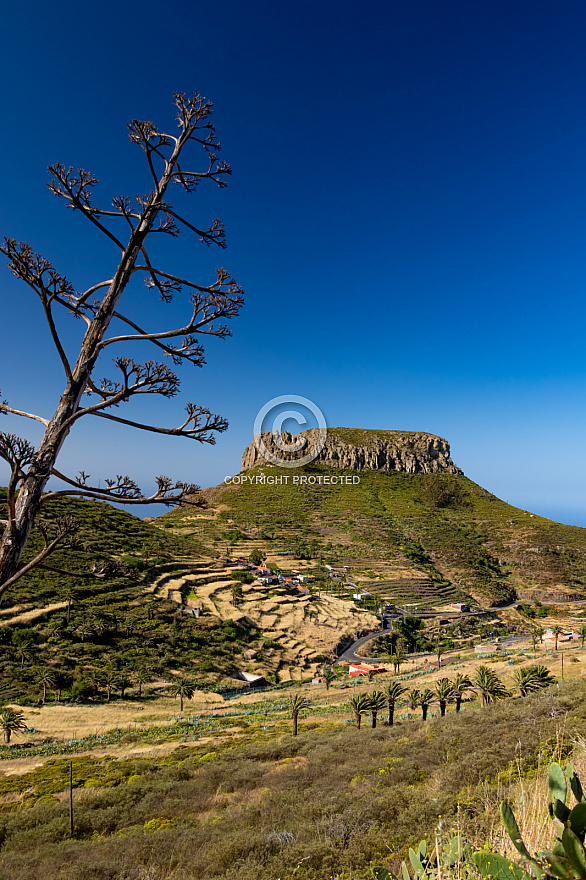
x,y
181,699
294,716
7,735
458,702
22,517
391,714
442,708
373,720
424,710
358,721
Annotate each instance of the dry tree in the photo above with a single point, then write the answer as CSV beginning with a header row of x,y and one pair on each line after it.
x,y
128,224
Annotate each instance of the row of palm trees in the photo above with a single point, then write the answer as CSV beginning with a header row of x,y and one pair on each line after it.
x,y
489,686
108,679
12,721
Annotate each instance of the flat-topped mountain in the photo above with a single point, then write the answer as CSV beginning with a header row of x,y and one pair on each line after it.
x,y
358,449
411,528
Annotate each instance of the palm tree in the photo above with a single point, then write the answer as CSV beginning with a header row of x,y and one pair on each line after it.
x,y
84,631
532,678
394,692
460,684
376,703
129,624
46,677
534,634
582,632
68,594
183,689
397,658
444,691
425,699
124,681
557,631
93,678
329,676
297,703
25,651
237,593
55,627
61,681
141,676
109,680
359,705
489,685
413,697
11,722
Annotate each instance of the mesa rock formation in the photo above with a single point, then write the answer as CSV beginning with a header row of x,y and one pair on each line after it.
x,y
410,452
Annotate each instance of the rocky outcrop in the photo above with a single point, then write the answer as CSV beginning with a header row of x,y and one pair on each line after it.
x,y
358,450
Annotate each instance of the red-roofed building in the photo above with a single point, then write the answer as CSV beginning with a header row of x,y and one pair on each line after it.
x,y
364,668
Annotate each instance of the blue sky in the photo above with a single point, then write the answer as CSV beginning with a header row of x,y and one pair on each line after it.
x,y
407,215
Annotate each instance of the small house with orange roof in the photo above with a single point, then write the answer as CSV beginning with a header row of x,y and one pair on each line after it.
x,y
358,669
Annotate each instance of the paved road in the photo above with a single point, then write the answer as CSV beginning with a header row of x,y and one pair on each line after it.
x,y
349,655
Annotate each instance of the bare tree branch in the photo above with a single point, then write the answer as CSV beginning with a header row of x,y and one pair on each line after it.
x,y
66,527
75,188
209,307
195,432
124,489
4,408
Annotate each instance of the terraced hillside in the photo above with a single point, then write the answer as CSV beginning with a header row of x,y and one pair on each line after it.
x,y
142,617
404,537
300,630
126,624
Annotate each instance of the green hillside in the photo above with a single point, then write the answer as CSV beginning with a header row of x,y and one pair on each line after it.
x,y
87,630
412,537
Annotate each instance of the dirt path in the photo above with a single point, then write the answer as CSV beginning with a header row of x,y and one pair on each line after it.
x,y
34,614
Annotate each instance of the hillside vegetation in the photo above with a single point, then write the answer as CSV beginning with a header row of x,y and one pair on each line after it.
x,y
94,634
253,802
412,537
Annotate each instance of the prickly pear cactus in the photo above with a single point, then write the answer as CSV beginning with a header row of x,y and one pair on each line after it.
x,y
565,861
423,865
567,858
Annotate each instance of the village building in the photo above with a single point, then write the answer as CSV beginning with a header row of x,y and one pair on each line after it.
x,y
358,669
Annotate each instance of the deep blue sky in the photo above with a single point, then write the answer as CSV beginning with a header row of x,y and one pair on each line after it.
x,y
407,216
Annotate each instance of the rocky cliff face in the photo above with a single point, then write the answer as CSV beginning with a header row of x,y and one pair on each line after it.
x,y
359,450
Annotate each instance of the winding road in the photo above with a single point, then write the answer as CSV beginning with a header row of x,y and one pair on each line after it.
x,y
350,655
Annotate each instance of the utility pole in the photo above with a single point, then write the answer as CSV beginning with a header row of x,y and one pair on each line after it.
x,y
71,798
